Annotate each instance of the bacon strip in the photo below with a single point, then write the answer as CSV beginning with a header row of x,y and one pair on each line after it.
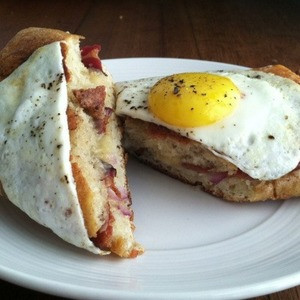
x,y
160,132
101,124
90,57
217,177
103,239
214,177
121,197
109,180
92,101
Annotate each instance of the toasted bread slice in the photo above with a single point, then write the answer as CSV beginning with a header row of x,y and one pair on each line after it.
x,y
96,182
191,162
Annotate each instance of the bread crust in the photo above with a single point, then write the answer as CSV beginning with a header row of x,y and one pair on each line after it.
x,y
24,43
147,141
282,71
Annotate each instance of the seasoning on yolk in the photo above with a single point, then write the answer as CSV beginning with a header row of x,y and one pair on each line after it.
x,y
193,99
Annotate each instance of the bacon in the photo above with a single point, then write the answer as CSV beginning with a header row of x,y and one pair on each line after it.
x,y
92,101
125,210
110,171
101,124
89,50
114,193
215,177
110,174
160,132
90,57
103,239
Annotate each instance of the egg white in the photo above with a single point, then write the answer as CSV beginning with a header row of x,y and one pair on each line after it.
x,y
35,170
261,137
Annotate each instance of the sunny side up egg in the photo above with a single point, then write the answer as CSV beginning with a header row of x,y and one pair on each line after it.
x,y
249,118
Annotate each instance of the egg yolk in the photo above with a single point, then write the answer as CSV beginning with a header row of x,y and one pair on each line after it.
x,y
193,99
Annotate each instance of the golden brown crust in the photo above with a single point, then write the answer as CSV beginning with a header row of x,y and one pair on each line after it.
x,y
24,43
288,186
86,198
73,118
282,71
84,192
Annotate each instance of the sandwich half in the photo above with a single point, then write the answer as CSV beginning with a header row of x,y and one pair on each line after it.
x,y
62,162
251,154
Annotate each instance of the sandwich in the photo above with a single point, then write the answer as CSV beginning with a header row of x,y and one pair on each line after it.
x,y
235,134
62,161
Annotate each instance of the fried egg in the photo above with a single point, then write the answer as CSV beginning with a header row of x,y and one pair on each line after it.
x,y
250,118
35,168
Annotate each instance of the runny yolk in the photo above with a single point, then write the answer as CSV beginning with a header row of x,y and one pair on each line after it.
x,y
193,99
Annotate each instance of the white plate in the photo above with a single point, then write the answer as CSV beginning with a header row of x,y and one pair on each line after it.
x,y
197,246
